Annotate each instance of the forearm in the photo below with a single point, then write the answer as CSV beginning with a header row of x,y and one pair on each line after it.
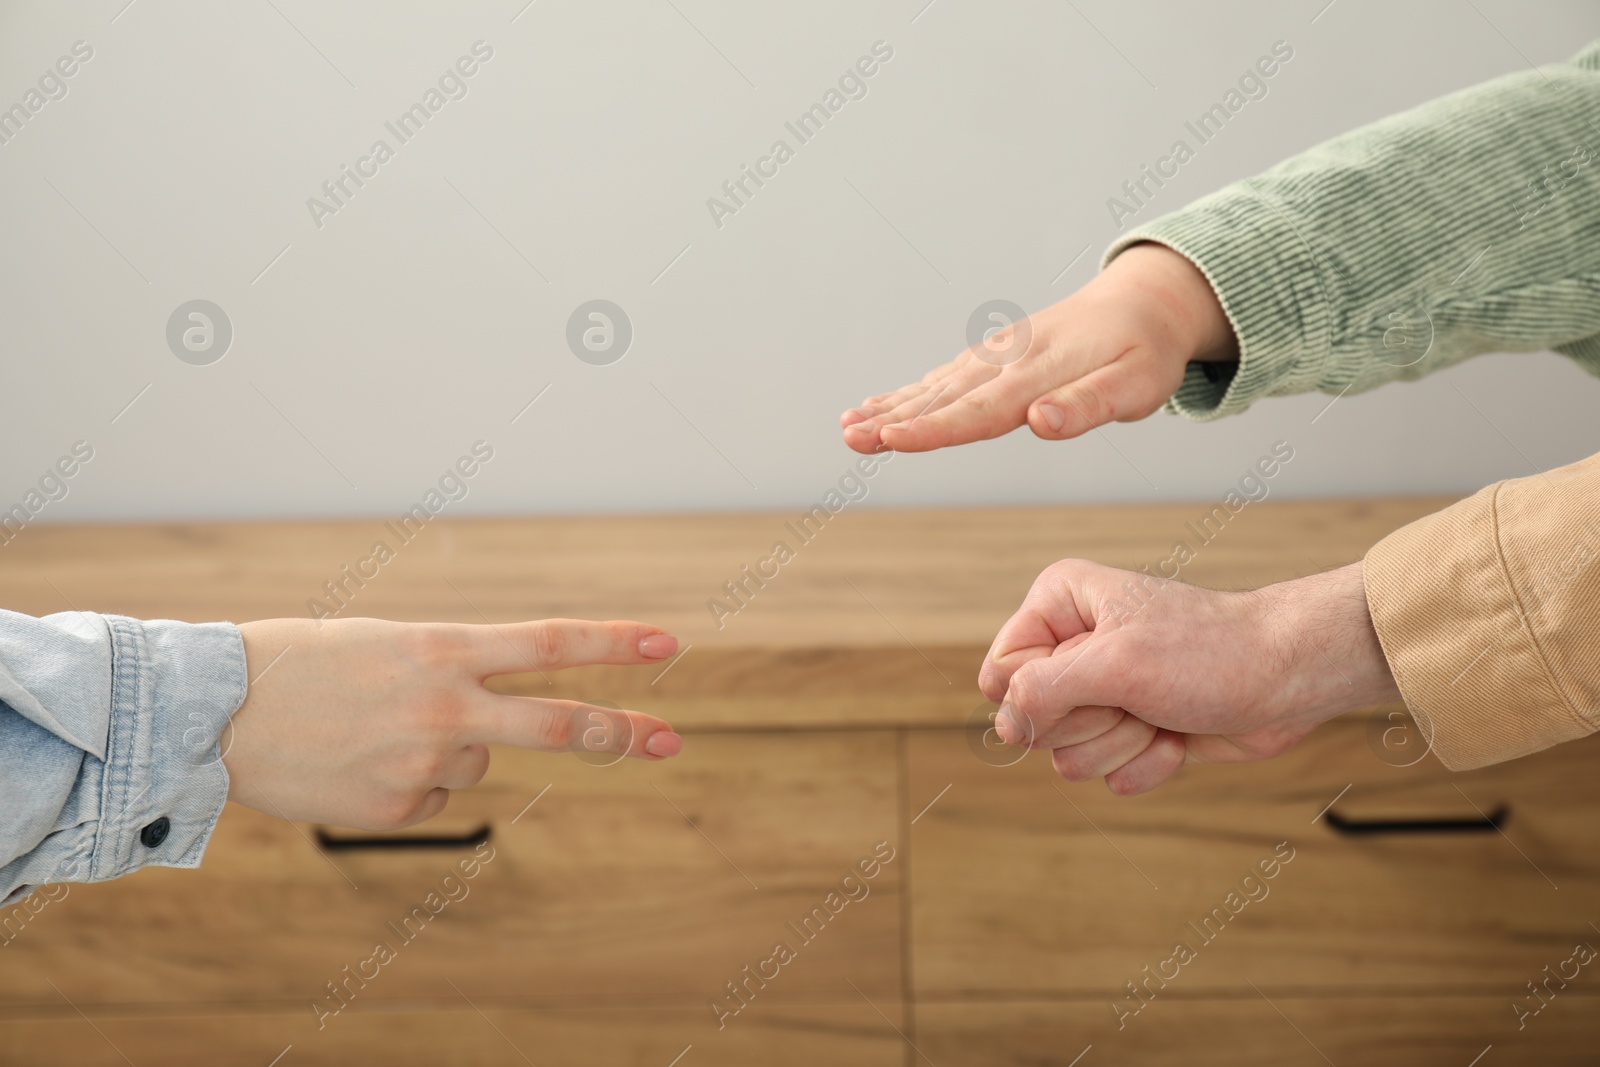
x,y
1322,632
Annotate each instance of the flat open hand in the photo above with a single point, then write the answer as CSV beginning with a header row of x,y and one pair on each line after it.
x,y
369,724
1128,677
1112,352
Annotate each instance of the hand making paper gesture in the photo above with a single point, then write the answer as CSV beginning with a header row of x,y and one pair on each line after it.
x,y
1112,352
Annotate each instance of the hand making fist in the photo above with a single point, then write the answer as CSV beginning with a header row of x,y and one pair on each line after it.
x,y
1128,677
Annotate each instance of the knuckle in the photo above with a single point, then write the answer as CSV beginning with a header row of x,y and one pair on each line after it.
x,y
550,643
1021,691
990,678
1275,745
1122,785
1050,345
1094,403
1070,765
427,724
392,812
420,762
440,715
418,811
480,763
1063,572
979,404
1028,692
1141,407
423,767
552,732
433,648
905,411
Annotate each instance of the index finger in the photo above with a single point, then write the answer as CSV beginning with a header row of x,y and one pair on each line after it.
x,y
1025,637
991,410
556,644
1049,620
1045,691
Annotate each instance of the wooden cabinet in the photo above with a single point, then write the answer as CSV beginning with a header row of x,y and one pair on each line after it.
x,y
836,712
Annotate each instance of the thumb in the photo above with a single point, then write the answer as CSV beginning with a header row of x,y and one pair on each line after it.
x,y
1109,394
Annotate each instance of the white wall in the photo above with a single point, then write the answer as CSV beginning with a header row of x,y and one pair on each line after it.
x,y
415,321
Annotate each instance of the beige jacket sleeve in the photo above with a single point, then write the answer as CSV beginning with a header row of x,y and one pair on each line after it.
x,y
1489,614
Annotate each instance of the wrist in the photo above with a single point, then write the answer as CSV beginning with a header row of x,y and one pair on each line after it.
x,y
1185,311
1322,632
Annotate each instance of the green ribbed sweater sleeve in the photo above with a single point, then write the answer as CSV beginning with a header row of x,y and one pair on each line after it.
x,y
1470,224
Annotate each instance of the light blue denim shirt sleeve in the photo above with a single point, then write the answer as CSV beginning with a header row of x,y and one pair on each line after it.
x,y
109,725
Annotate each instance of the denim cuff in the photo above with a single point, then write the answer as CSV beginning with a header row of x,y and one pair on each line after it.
x,y
109,744
174,689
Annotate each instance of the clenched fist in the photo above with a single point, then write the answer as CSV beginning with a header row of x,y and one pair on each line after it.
x,y
1128,677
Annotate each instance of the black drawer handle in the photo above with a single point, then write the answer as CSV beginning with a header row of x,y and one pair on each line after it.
x,y
330,843
1484,824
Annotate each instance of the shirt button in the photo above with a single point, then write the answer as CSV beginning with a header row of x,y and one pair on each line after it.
x,y
156,832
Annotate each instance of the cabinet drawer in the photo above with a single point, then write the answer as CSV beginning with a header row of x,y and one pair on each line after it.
x,y
847,1033
1027,884
630,884
1250,1031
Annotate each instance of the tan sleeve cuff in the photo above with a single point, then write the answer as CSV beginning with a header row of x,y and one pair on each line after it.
x,y
1489,615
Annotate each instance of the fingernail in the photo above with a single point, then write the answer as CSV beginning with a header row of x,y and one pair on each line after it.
x,y
1053,416
1005,724
664,743
658,646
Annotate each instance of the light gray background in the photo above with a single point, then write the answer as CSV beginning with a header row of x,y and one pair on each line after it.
x,y
413,324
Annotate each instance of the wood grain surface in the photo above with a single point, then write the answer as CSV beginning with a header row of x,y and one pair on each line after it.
x,y
886,614
941,577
